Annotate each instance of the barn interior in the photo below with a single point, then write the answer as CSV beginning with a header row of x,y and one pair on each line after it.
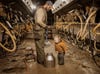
x,y
77,22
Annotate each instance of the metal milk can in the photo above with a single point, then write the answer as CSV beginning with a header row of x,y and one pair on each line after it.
x,y
50,60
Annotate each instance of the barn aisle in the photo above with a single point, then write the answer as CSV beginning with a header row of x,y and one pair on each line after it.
x,y
76,61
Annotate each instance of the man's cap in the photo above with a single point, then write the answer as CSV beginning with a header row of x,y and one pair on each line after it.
x,y
49,3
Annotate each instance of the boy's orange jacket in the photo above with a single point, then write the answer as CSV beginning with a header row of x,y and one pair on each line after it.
x,y
61,46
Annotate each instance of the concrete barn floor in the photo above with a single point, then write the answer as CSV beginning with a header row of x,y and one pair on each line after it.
x,y
76,61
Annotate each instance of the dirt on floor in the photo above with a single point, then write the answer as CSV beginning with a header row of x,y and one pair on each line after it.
x,y
23,61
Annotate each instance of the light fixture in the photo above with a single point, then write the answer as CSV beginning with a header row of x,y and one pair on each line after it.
x,y
29,5
59,4
33,6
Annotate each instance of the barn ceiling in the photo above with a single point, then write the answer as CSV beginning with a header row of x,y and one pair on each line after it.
x,y
18,4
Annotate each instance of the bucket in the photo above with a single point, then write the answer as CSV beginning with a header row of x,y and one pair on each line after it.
x,y
50,60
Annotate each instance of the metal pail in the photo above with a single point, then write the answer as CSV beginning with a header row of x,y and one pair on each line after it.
x,y
50,60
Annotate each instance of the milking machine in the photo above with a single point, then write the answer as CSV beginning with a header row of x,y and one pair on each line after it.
x,y
93,49
7,35
81,33
13,28
72,35
96,49
47,42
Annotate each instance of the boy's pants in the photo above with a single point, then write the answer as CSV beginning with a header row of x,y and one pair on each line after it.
x,y
61,58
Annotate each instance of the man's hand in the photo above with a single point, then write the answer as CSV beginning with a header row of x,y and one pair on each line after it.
x,y
50,27
46,27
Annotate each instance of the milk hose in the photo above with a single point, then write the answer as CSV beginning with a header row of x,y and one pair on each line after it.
x,y
80,18
96,33
94,55
87,21
12,38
